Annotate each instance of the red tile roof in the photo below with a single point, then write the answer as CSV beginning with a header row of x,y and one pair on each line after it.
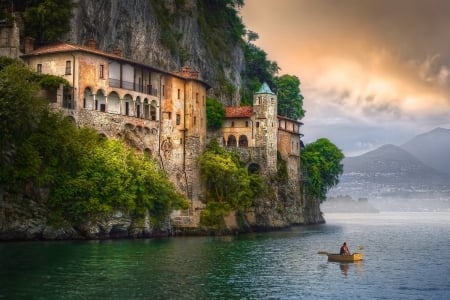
x,y
66,47
60,47
238,111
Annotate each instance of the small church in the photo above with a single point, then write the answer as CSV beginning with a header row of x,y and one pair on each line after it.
x,y
258,132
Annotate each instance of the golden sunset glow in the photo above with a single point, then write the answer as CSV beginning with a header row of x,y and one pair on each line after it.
x,y
365,66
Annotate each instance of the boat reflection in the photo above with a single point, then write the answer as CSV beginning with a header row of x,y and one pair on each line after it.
x,y
346,267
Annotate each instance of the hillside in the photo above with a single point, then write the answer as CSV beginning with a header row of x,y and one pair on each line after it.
x,y
391,172
432,148
391,164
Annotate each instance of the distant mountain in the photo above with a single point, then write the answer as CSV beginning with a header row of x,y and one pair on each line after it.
x,y
391,172
392,164
432,148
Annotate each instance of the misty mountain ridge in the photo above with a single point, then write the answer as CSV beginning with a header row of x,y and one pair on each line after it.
x,y
432,148
418,169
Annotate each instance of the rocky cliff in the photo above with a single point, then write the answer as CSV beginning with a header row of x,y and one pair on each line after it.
x,y
163,34
166,34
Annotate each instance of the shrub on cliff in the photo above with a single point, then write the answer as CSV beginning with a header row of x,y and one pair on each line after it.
x,y
215,113
228,184
86,175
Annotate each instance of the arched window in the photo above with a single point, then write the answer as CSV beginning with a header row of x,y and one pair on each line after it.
x,y
231,141
243,142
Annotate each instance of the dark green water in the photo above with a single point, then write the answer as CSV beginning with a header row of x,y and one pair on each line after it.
x,y
277,265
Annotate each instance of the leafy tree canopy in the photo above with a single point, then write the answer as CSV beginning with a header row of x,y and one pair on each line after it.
x,y
322,161
290,101
258,69
47,20
215,113
86,175
229,186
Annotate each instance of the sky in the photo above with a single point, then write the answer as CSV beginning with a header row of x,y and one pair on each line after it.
x,y
372,72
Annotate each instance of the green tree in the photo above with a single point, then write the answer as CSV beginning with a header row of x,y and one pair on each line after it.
x,y
258,69
290,100
322,161
20,108
86,175
110,177
228,184
47,20
215,113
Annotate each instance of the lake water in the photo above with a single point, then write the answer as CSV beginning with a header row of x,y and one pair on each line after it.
x,y
407,256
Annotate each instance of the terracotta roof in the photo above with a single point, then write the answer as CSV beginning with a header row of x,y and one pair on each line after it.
x,y
289,119
66,47
61,47
238,111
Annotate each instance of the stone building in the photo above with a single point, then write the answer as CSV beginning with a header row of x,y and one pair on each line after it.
x,y
159,112
257,132
164,114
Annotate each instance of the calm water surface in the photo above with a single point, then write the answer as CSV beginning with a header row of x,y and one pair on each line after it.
x,y
407,256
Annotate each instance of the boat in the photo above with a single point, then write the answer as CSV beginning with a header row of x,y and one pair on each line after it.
x,y
345,257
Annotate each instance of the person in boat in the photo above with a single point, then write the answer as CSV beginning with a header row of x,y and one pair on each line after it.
x,y
344,249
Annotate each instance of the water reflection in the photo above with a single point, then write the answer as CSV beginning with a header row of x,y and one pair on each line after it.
x,y
347,268
344,268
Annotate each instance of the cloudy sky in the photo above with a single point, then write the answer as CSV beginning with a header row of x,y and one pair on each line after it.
x,y
372,72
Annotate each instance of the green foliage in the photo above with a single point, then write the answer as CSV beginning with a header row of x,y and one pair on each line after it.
x,y
6,61
322,160
51,81
228,184
20,108
111,177
170,38
258,69
47,20
221,30
215,113
290,101
86,175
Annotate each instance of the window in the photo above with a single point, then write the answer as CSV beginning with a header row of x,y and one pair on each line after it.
x,y
195,120
246,123
152,113
39,68
127,108
178,119
163,90
196,98
178,93
232,123
68,67
257,124
102,72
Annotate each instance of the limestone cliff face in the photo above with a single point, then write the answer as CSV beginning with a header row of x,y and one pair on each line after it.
x,y
138,28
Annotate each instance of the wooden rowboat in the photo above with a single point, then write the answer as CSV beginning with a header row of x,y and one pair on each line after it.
x,y
345,258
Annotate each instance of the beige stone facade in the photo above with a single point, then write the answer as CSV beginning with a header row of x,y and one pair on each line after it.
x,y
258,133
159,112
164,114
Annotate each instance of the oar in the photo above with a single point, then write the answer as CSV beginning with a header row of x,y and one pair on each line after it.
x,y
322,252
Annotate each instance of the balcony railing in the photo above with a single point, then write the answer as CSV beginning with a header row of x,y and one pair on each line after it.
x,y
131,86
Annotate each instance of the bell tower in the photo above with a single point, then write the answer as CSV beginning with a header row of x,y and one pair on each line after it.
x,y
266,124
